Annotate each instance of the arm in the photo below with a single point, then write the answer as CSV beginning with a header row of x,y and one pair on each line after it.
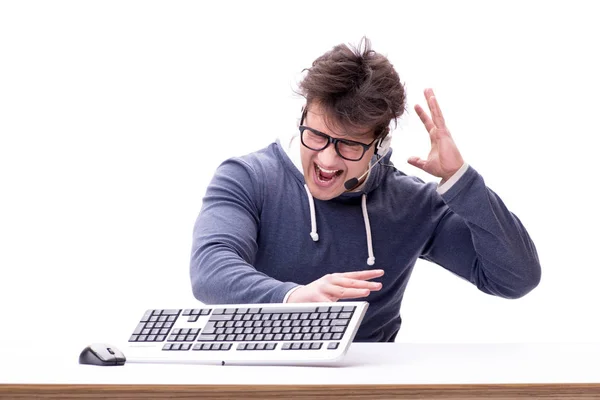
x,y
225,241
476,236
479,239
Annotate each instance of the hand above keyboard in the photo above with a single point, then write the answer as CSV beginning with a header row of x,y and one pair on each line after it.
x,y
333,287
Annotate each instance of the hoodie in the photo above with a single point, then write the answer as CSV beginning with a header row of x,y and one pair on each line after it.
x,y
254,238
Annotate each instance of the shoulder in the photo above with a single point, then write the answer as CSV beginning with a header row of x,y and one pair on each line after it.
x,y
254,164
402,184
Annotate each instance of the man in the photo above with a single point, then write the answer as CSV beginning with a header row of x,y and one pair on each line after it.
x,y
319,217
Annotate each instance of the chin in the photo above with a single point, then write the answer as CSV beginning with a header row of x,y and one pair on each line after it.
x,y
325,194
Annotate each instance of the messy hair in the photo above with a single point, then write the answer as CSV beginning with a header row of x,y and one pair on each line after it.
x,y
356,88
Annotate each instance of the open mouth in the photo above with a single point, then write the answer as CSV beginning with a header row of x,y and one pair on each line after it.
x,y
326,176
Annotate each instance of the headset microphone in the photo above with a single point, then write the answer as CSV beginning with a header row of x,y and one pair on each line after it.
x,y
383,147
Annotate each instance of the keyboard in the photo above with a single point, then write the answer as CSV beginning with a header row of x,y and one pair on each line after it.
x,y
246,334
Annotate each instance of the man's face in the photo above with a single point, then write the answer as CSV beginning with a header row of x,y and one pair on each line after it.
x,y
325,171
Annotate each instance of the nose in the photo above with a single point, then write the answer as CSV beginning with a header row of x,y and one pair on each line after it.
x,y
328,157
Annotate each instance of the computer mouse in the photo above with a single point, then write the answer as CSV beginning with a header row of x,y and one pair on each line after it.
x,y
101,354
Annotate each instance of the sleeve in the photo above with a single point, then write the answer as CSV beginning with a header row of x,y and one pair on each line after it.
x,y
225,241
479,239
444,187
288,294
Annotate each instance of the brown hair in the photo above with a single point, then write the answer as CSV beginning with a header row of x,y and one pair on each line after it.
x,y
356,87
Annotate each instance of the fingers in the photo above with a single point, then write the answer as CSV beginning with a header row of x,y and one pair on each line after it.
x,y
429,125
351,285
417,162
363,275
354,283
434,107
340,292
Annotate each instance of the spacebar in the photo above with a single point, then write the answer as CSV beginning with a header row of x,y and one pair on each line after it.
x,y
288,310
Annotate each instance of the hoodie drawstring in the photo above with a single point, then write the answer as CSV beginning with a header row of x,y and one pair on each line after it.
x,y
371,259
313,224
313,219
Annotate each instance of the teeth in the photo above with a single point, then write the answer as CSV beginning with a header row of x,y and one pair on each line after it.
x,y
327,171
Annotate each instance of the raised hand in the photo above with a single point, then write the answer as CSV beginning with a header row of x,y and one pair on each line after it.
x,y
332,287
444,159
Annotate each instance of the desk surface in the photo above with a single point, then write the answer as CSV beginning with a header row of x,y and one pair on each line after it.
x,y
543,367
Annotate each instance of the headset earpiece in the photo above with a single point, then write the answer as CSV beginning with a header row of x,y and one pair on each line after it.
x,y
383,145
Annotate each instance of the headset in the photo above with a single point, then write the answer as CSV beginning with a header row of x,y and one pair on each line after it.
x,y
382,148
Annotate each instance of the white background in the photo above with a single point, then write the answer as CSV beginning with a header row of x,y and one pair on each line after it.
x,y
114,115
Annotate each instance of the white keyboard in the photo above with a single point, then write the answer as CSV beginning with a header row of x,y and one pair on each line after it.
x,y
246,334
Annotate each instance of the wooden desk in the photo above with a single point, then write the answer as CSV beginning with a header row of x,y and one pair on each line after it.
x,y
374,371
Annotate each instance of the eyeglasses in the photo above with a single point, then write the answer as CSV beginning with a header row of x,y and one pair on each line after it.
x,y
347,149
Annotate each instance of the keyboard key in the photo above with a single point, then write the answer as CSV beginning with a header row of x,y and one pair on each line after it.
x,y
223,317
332,346
146,316
339,322
138,329
288,310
